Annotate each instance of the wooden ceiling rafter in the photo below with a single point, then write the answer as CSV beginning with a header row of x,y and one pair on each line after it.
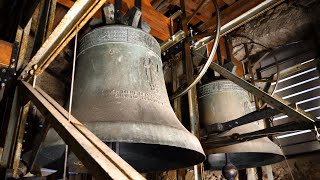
x,y
203,21
230,13
159,23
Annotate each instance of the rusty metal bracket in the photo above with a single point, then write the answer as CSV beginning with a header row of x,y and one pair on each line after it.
x,y
98,158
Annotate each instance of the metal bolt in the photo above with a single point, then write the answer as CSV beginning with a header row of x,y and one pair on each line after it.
x,y
35,66
31,71
13,60
3,70
12,66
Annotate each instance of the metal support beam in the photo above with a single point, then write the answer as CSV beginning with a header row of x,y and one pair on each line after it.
x,y
226,28
248,118
12,130
79,14
235,138
20,135
192,93
296,114
97,157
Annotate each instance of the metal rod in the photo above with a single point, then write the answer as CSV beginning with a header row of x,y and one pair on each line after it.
x,y
248,118
238,138
240,20
235,23
18,149
70,98
209,61
192,92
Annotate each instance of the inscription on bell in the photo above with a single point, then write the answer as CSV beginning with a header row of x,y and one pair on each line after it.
x,y
130,94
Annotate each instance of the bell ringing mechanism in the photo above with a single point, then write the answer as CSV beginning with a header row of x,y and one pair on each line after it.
x,y
222,101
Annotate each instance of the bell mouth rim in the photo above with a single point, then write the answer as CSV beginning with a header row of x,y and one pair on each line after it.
x,y
135,132
241,160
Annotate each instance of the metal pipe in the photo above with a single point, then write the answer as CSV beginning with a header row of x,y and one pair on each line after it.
x,y
73,17
209,61
230,26
240,20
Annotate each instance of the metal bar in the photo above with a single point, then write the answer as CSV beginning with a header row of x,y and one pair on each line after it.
x,y
248,118
192,93
12,131
209,60
78,15
174,39
238,138
18,149
98,158
282,105
230,26
239,21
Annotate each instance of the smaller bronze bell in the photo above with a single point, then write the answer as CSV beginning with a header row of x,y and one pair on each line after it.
x,y
222,101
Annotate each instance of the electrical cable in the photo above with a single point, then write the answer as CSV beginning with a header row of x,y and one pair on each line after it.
x,y
209,61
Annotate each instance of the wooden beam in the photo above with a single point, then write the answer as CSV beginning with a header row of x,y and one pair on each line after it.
x,y
66,3
230,13
99,159
5,53
160,24
229,2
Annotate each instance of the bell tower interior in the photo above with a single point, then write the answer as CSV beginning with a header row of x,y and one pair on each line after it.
x,y
159,89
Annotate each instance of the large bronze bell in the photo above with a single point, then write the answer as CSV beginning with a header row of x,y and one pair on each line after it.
x,y
120,95
221,101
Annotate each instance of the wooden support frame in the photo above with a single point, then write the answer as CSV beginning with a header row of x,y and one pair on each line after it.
x,y
80,13
99,159
159,23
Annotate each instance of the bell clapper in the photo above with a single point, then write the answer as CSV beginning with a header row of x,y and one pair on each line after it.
x,y
229,171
